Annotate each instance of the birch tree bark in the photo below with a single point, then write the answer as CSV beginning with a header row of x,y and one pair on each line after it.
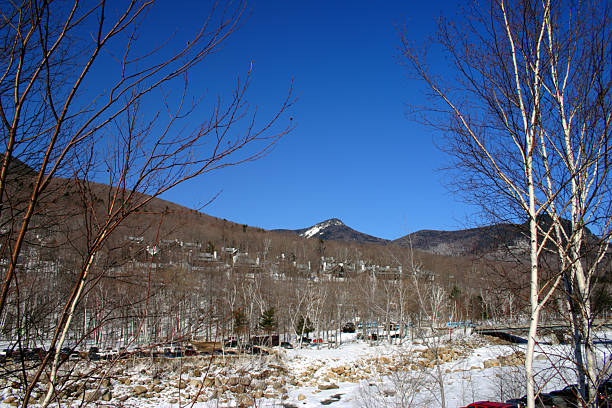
x,y
527,120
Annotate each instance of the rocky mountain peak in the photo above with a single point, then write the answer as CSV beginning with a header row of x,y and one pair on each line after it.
x,y
320,228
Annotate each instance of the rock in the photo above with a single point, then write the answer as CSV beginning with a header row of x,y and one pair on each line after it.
x,y
91,396
139,389
491,363
264,374
107,395
245,401
330,386
301,397
258,385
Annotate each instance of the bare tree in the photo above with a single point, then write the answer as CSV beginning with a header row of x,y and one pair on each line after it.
x,y
524,72
52,124
575,147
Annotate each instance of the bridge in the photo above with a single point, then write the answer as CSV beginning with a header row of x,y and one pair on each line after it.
x,y
518,333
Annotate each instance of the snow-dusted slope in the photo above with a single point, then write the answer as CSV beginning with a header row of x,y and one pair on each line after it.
x,y
320,228
335,230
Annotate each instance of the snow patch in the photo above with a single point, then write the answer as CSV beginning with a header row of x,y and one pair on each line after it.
x,y
320,227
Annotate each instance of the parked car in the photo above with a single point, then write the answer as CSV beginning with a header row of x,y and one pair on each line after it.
x,y
109,354
123,352
489,404
74,356
190,351
93,354
569,394
231,343
541,401
65,353
348,328
392,326
177,349
604,394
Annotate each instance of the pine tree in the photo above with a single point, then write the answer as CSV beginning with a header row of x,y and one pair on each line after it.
x,y
303,326
267,321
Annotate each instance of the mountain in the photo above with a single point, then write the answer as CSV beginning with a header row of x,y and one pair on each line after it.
x,y
335,230
464,242
482,240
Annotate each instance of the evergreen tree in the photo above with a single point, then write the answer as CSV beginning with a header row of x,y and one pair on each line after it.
x,y
267,321
303,326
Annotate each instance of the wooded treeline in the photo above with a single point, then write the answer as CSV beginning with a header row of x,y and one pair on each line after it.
x,y
172,274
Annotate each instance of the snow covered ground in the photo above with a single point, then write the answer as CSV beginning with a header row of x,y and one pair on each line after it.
x,y
356,374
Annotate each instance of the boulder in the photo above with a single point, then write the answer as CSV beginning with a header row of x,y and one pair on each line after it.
x,y
139,389
107,396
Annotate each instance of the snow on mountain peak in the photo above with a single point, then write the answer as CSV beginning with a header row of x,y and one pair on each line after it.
x,y
318,228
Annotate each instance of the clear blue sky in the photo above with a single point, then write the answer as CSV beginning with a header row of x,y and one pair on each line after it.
x,y
354,153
